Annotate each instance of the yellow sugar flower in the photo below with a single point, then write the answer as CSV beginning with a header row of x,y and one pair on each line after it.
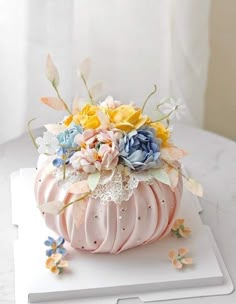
x,y
161,132
127,118
55,263
179,229
68,120
88,117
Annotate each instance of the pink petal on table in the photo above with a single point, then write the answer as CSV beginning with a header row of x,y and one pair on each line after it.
x,y
177,264
183,251
187,261
172,254
53,102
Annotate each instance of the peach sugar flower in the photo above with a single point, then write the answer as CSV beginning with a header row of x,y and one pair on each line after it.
x,y
179,258
180,230
55,263
99,151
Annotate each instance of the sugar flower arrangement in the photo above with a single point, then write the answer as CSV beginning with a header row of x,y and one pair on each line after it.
x,y
104,149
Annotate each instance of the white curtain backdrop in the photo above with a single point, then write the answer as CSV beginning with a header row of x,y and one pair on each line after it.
x,y
133,44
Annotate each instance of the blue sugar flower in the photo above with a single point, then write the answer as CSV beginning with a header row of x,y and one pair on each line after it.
x,y
56,246
140,149
67,137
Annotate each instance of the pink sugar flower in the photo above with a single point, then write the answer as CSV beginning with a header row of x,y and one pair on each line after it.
x,y
110,103
99,151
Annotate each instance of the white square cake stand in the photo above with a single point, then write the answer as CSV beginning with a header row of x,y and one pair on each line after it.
x,y
142,272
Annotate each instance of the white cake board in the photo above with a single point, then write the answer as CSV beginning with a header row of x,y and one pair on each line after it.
x,y
144,272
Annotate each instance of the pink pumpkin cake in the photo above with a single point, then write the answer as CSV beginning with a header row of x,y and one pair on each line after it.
x,y
108,177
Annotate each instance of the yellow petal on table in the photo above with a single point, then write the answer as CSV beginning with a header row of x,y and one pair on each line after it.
x,y
54,269
49,262
177,223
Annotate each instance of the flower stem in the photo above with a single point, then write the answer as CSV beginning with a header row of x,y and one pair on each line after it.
x,y
30,132
87,88
177,169
73,202
64,170
168,115
59,96
149,96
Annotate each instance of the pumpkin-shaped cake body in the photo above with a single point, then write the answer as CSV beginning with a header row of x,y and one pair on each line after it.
x,y
90,225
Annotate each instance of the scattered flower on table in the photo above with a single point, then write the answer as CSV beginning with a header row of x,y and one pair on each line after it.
x,y
180,230
56,263
178,258
56,246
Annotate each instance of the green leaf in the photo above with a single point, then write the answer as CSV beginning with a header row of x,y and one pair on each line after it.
x,y
93,180
161,176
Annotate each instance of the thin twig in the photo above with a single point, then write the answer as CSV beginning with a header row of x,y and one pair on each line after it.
x,y
149,96
73,202
30,132
59,96
87,88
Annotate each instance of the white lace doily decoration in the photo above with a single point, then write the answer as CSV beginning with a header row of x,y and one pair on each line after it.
x,y
120,186
116,186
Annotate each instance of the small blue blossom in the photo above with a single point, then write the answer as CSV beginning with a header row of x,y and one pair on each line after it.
x,y
66,138
140,149
56,246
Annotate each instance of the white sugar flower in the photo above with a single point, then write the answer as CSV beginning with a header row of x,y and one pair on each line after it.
x,y
48,144
173,108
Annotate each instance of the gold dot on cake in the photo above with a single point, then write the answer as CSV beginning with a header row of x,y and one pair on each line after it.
x,y
139,218
95,242
123,228
95,216
40,180
149,207
82,247
123,210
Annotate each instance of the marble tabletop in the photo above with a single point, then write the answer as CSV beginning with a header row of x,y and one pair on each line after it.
x,y
211,160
